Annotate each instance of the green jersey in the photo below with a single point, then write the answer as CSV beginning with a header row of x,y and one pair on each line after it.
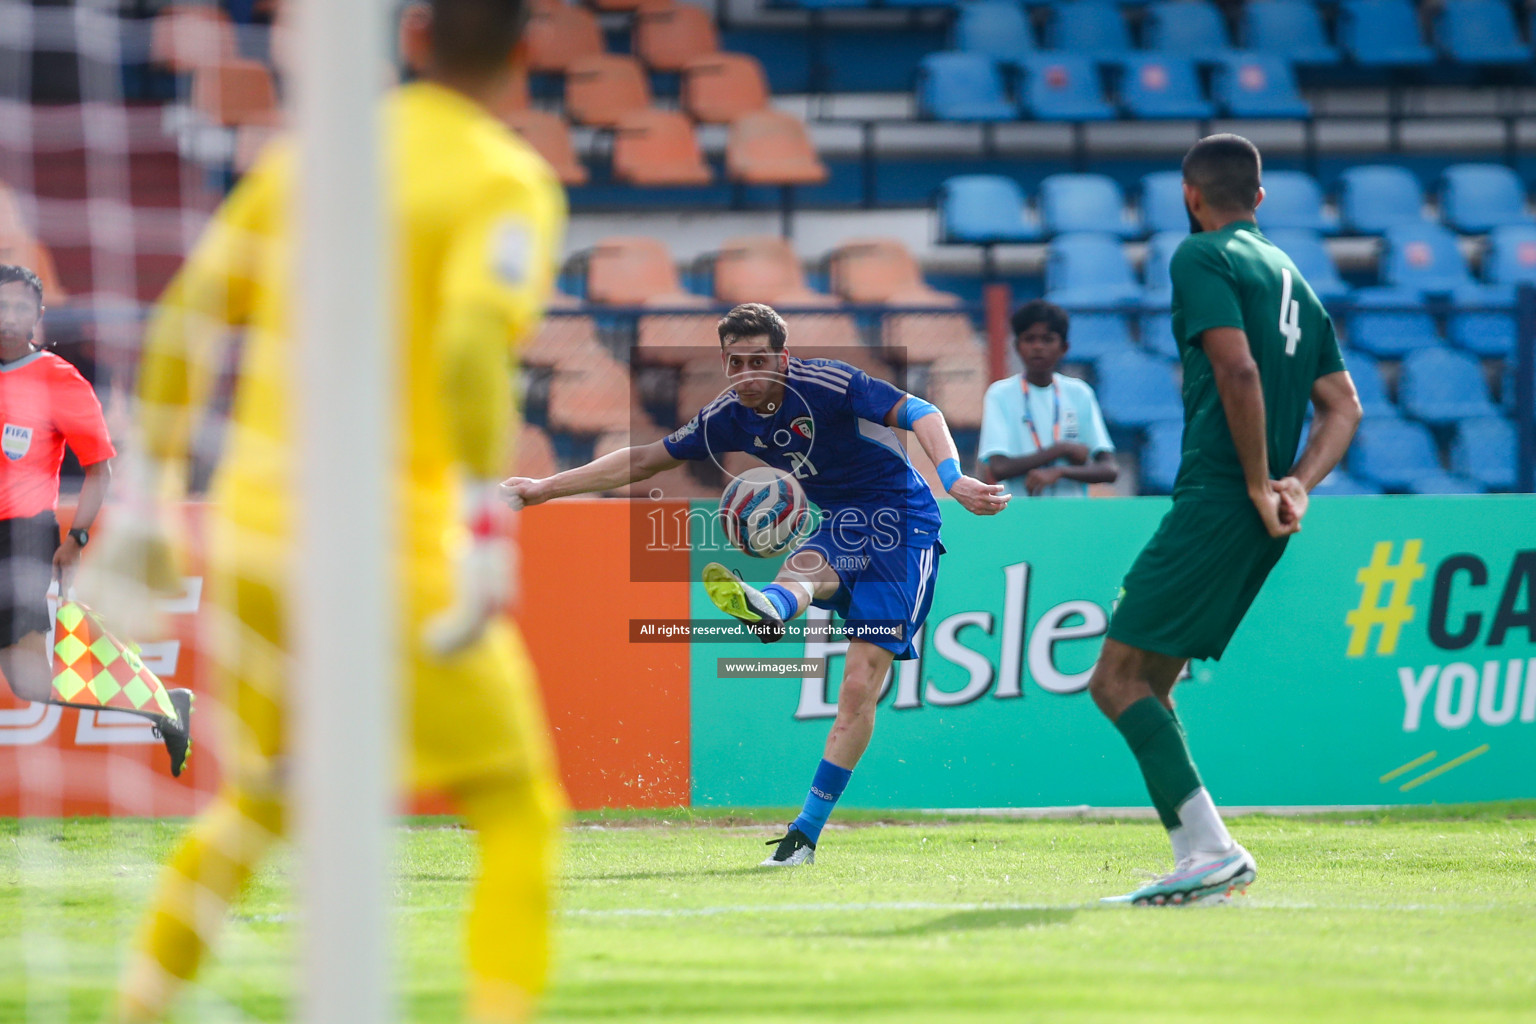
x,y
1235,277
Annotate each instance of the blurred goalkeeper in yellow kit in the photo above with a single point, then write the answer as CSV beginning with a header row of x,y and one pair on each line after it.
x,y
476,220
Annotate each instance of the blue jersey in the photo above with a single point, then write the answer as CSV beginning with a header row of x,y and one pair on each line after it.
x,y
831,434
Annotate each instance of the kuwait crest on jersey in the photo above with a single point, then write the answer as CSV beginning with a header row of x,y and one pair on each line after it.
x,y
804,426
16,442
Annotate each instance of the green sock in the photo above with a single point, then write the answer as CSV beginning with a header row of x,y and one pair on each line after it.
x,y
1154,736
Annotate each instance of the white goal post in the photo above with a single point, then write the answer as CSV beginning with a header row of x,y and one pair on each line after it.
x,y
343,790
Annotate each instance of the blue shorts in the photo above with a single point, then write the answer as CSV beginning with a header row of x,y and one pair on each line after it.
x,y
886,589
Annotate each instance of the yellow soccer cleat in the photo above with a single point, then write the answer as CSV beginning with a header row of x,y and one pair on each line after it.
x,y
742,601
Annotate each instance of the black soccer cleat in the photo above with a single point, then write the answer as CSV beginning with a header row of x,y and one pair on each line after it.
x,y
793,849
177,735
743,601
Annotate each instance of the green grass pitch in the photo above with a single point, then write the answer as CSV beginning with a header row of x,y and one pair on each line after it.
x,y
1396,917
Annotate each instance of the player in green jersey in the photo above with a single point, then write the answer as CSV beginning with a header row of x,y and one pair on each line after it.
x,y
1256,345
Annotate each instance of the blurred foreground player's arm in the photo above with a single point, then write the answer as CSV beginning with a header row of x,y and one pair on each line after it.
x,y
184,343
496,280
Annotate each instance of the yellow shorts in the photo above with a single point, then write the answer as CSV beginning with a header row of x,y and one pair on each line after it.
x,y
473,715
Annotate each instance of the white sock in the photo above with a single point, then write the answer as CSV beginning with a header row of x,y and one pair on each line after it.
x,y
1179,837
1205,831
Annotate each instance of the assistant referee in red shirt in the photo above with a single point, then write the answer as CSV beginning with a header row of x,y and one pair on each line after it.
x,y
44,405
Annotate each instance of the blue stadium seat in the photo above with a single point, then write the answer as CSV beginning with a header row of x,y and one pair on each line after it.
x,y
1392,453
1486,450
983,209
1480,32
1383,33
1443,483
1166,87
1158,286
1090,272
1064,87
1340,483
1441,386
1096,335
1370,387
1289,29
1293,199
1191,28
994,28
1157,334
1136,390
1375,197
1390,333
1307,251
1090,28
1086,269
1160,456
962,87
1511,256
1424,258
1162,202
1257,85
1486,333
1476,198
1084,202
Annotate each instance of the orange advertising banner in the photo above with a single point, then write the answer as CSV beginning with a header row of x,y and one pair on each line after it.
x,y
618,711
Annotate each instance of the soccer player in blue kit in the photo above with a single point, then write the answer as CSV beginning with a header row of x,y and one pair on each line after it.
x,y
874,557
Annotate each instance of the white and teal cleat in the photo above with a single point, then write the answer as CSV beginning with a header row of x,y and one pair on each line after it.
x,y
1202,879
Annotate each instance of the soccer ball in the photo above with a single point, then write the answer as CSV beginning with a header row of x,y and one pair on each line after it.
x,y
765,512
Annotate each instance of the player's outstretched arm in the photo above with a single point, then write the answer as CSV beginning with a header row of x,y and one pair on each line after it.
x,y
1334,422
615,469
927,422
1242,398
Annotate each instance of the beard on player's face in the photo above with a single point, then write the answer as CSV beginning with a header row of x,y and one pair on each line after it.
x,y
1194,225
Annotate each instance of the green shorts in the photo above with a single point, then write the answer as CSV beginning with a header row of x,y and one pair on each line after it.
x,y
1194,581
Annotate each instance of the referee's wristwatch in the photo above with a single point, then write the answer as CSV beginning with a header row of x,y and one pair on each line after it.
x,y
80,537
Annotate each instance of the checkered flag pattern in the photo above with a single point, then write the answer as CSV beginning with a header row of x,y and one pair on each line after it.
x,y
91,666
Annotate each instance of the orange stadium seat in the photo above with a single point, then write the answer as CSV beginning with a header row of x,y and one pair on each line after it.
x,y
236,92
551,138
516,97
533,454
635,271
563,341
592,398
601,90
882,271
658,147
677,339
19,246
763,268
957,384
700,383
186,37
772,148
558,35
718,88
668,36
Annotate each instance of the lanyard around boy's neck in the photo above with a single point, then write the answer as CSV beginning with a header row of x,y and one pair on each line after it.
x,y
1029,419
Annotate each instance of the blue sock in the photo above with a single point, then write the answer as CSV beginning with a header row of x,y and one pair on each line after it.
x,y
782,600
826,787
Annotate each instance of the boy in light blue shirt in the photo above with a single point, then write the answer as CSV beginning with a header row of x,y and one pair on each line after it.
x,y
1042,434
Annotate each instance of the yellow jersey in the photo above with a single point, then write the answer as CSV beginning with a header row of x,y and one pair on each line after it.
x,y
476,220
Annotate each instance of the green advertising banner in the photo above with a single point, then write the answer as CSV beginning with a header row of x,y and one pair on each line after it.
x,y
1391,658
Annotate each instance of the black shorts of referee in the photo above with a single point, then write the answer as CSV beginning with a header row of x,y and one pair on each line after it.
x,y
26,571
